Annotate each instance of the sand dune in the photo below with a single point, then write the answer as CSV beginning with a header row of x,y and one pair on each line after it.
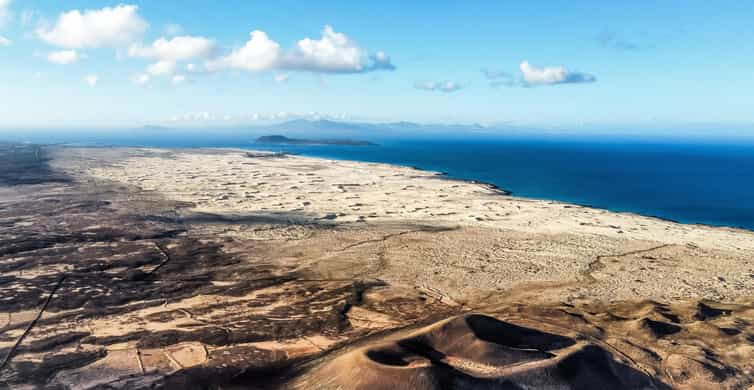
x,y
146,268
497,241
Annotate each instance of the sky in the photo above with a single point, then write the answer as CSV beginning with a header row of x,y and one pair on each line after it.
x,y
86,63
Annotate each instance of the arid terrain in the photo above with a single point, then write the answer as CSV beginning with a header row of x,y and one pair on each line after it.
x,y
154,268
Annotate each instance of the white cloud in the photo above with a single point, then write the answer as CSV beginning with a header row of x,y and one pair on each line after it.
x,y
259,53
161,68
141,79
439,86
178,79
4,42
534,75
176,49
205,116
281,78
64,57
91,80
109,26
334,52
194,116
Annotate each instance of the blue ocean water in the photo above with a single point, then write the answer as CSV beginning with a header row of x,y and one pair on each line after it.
x,y
686,182
708,182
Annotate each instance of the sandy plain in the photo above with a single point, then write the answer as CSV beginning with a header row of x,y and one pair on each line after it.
x,y
230,269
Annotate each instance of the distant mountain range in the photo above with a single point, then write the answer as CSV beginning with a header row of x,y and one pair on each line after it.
x,y
322,127
329,130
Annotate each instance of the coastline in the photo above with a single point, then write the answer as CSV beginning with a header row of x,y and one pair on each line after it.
x,y
440,175
507,192
447,176
194,268
489,188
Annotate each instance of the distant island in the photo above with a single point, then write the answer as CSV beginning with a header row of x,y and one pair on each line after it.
x,y
279,139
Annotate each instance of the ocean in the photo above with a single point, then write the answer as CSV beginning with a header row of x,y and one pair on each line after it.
x,y
686,181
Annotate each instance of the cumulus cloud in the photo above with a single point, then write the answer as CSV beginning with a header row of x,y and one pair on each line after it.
x,y
91,80
4,42
205,116
534,75
439,86
175,49
169,52
168,69
106,27
259,53
194,116
161,68
334,52
64,57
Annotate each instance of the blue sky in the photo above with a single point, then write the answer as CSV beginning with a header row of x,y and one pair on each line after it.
x,y
556,63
